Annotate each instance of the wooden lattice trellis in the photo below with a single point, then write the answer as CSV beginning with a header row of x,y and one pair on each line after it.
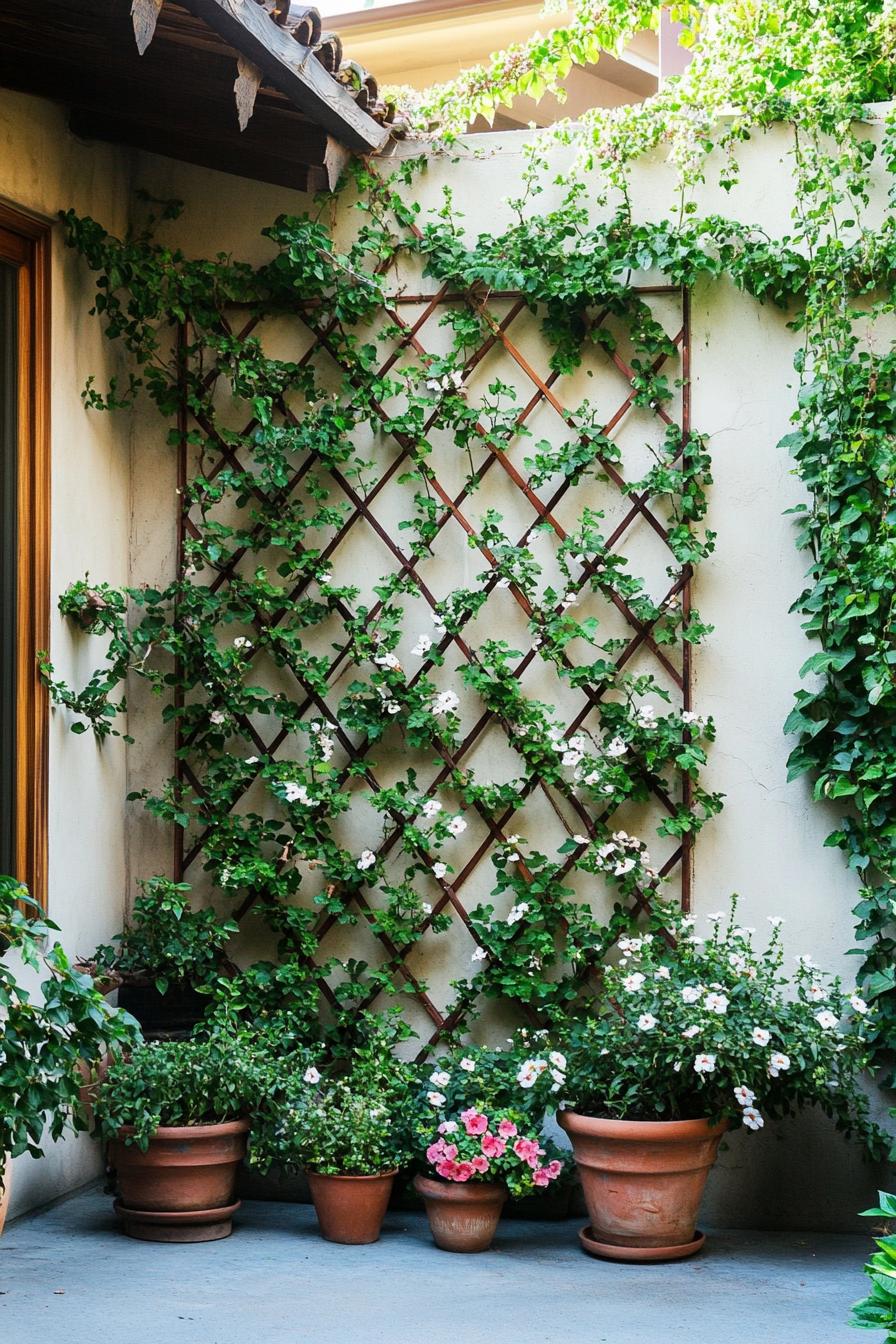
x,y
369,528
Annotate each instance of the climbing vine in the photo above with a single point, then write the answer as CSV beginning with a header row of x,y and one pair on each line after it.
x,y
811,65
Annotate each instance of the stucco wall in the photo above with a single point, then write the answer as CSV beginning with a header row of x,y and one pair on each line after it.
x,y
43,169
767,844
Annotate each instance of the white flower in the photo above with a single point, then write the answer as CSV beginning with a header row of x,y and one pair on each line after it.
x,y
580,839
646,717
217,716
479,955
816,993
691,993
426,907
311,1075
662,973
325,578
716,1003
439,870
558,1060
367,860
632,983
528,1074
805,961
503,583
518,912
559,1079
826,1019
392,707
623,866
431,808
387,660
571,758
457,826
617,747
297,793
435,1099
241,642
859,1004
422,647
716,917
775,920
690,1032
761,1036
448,1127
743,1096
446,702
326,746
468,1065
440,1078
705,1064
778,1064
647,1022
751,1118
252,760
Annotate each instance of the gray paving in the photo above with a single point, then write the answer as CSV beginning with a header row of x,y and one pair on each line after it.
x,y
67,1276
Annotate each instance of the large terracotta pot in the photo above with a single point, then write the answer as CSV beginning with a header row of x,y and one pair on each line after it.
x,y
351,1209
462,1216
643,1181
6,1178
182,1187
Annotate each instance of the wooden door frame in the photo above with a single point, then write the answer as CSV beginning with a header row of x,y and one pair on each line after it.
x,y
25,242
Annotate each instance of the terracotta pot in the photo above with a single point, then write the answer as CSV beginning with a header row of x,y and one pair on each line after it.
x,y
351,1209
462,1216
186,1170
643,1181
6,1178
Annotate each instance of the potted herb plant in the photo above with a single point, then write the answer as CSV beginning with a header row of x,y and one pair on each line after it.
x,y
692,1036
47,1037
347,1131
168,954
479,1138
176,1114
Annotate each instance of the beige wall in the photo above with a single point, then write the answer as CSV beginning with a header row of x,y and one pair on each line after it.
x,y
44,169
768,842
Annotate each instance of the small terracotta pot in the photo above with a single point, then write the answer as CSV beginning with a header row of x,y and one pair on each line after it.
x,y
6,1178
351,1209
643,1181
462,1216
188,1169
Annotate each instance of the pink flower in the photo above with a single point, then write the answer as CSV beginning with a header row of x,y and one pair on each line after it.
x,y
526,1149
507,1129
554,1169
474,1122
492,1146
479,1163
436,1152
540,1176
446,1170
463,1171
450,1151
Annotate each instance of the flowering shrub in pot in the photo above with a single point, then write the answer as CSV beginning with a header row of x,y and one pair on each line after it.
x,y
473,1157
168,954
348,1130
691,1036
48,1040
176,1114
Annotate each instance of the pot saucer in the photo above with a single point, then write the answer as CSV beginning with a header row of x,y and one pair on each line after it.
x,y
182,1226
604,1250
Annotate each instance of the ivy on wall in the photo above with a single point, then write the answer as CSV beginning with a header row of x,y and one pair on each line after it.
x,y
294,686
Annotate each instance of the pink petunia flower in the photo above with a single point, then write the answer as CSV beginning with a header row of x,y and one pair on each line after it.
x,y
463,1171
446,1170
474,1122
436,1152
450,1151
492,1146
479,1163
507,1129
554,1169
541,1177
526,1149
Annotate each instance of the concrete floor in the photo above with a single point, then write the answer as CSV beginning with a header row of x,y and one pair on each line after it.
x,y
67,1276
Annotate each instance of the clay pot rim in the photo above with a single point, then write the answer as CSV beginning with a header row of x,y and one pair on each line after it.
x,y
574,1122
181,1132
435,1188
346,1176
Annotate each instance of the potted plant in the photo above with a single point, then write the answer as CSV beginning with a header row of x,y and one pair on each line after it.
x,y
877,1311
176,1114
46,1038
479,1138
166,957
348,1132
692,1036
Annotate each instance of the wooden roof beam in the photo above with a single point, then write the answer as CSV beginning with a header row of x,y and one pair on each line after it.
x,y
291,68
